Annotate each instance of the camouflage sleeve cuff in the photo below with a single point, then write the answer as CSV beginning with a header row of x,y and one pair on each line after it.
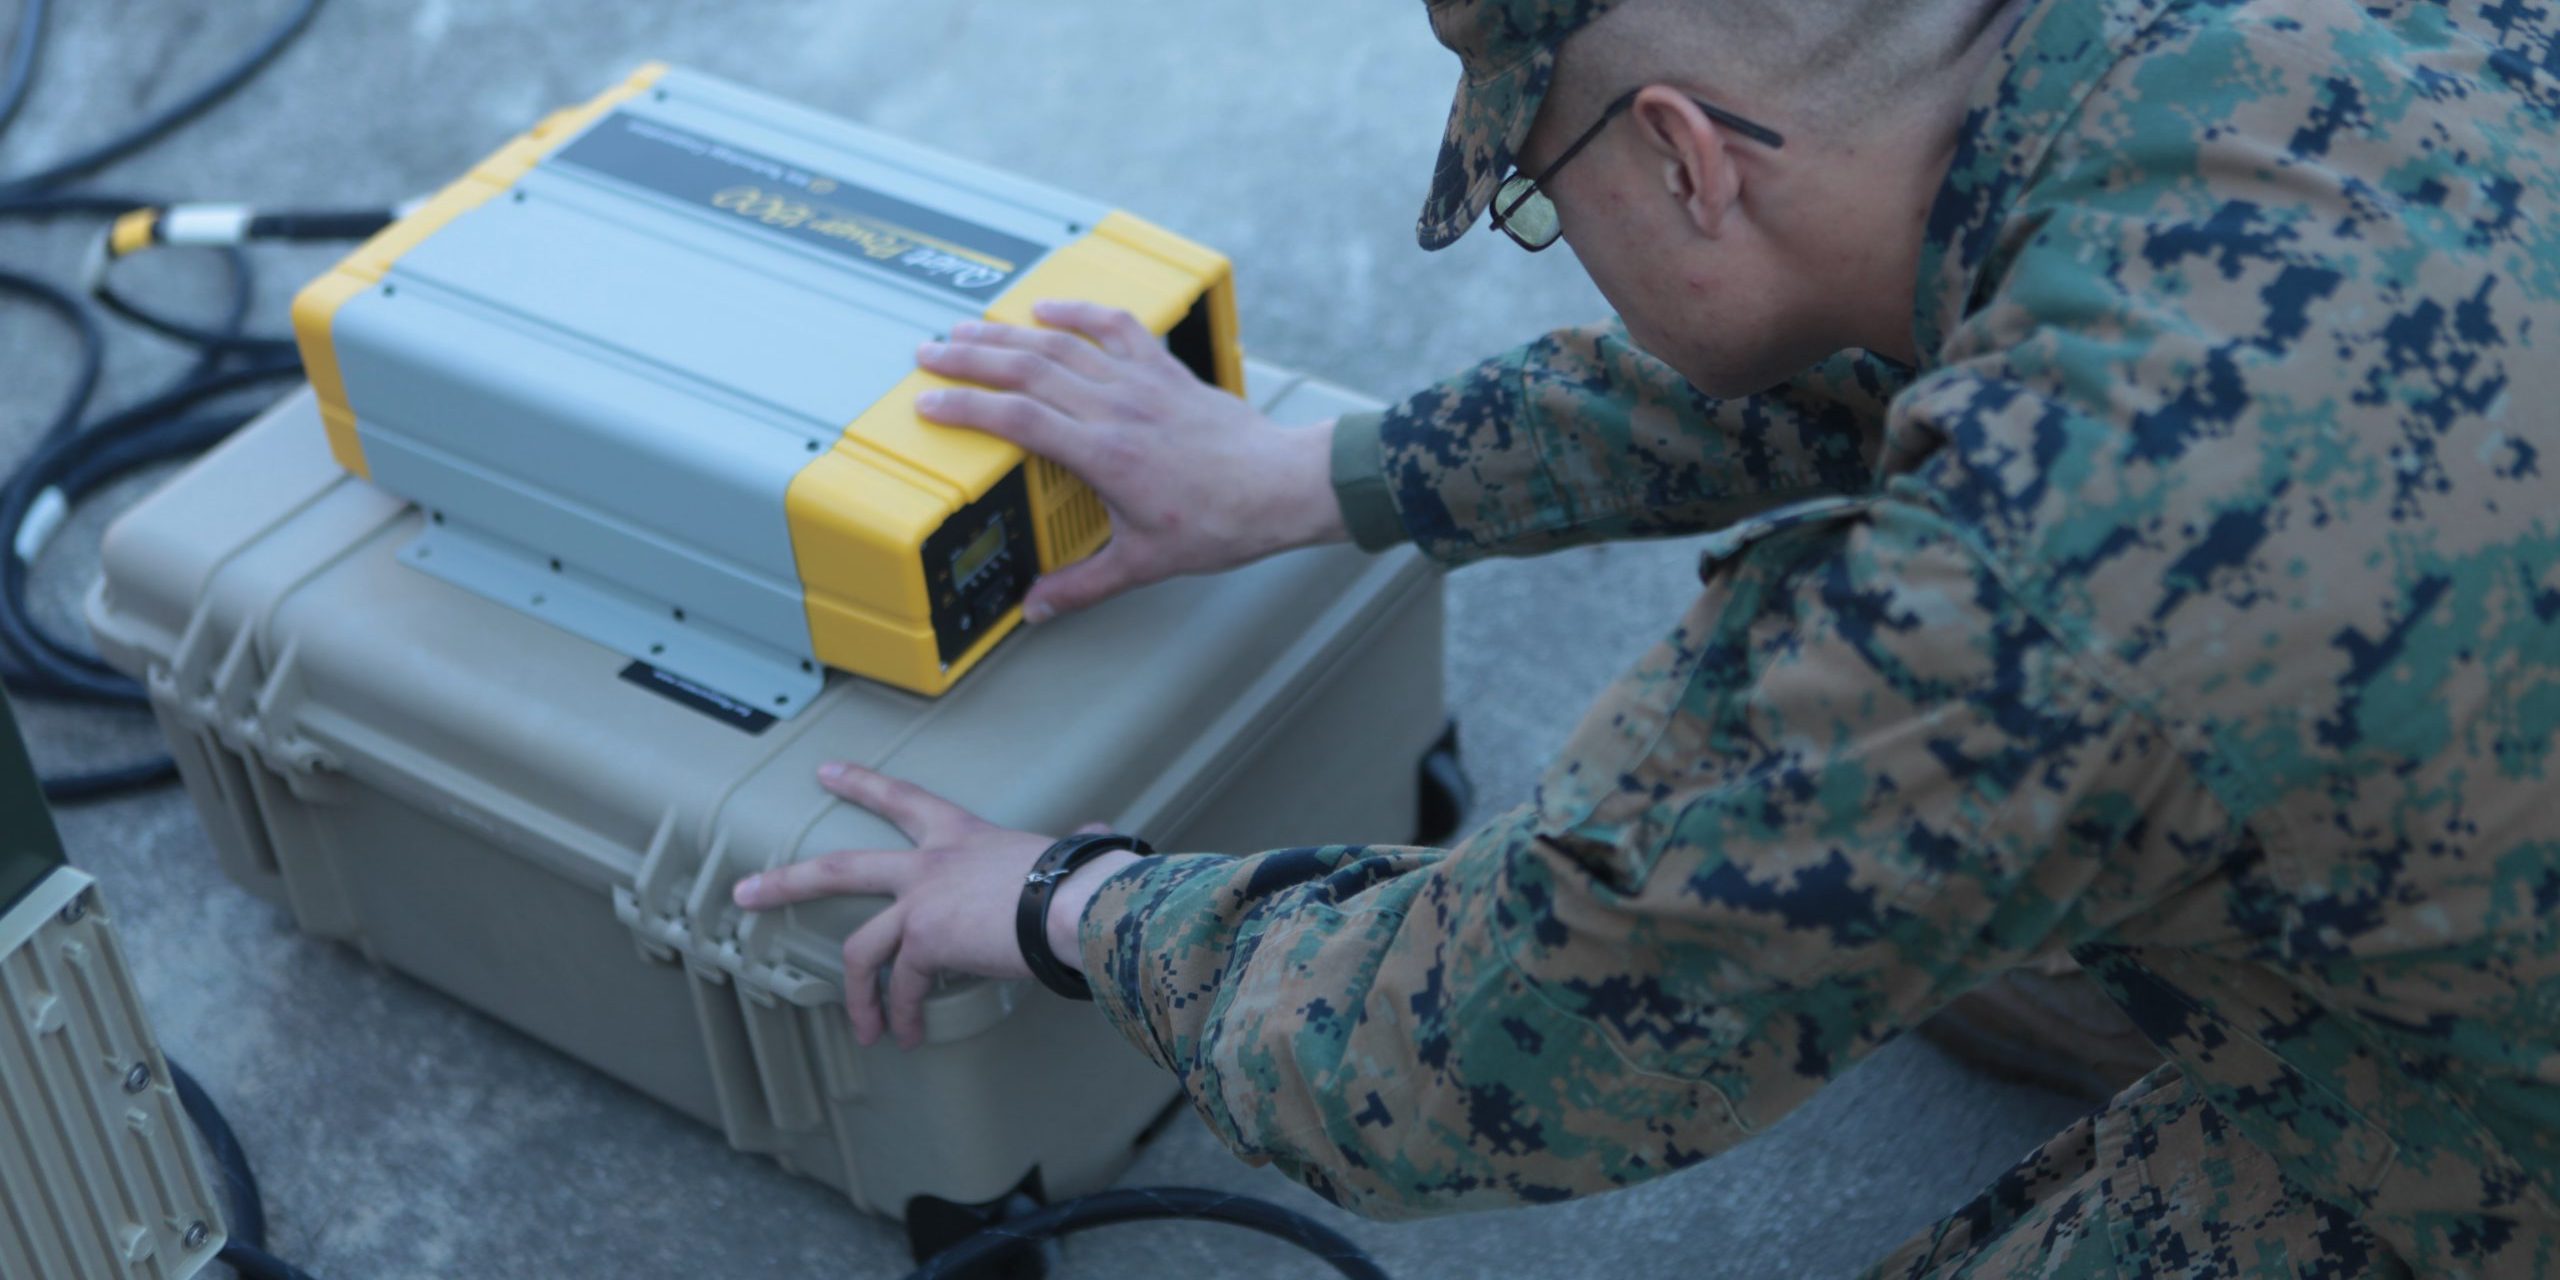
x,y
1360,483
1179,951
1112,937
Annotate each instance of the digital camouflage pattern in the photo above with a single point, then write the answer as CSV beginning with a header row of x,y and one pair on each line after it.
x,y
2193,611
1581,436
2155,1184
1507,54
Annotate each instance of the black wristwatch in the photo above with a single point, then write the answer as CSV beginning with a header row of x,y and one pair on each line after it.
x,y
1031,915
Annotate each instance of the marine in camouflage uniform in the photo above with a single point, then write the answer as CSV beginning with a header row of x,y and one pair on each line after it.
x,y
2193,610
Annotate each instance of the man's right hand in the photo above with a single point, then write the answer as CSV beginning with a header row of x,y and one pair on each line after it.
x,y
1195,480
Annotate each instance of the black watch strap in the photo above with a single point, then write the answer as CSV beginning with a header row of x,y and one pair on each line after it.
x,y
1031,915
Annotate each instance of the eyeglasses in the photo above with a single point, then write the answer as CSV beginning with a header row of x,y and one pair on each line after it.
x,y
1521,207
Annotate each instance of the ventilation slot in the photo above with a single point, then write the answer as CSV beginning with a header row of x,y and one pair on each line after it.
x,y
1072,522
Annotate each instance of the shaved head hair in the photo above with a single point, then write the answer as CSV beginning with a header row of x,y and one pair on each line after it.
x,y
1827,65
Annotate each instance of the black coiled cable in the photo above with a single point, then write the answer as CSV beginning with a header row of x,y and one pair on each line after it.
x,y
246,1253
22,61
81,164
1151,1204
248,1208
75,456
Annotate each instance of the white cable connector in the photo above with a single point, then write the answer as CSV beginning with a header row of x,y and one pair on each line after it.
x,y
205,224
44,516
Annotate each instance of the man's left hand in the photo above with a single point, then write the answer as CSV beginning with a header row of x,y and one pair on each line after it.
x,y
953,898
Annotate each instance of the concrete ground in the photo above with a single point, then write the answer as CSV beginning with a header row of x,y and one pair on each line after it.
x,y
401,1134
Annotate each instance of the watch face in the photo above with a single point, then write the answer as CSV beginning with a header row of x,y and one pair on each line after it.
x,y
29,848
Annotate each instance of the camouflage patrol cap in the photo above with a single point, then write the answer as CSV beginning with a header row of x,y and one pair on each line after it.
x,y
1507,49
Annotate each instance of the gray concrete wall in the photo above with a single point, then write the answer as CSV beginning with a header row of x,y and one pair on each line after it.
x,y
401,1135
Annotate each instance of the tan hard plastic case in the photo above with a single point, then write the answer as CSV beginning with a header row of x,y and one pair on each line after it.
x,y
476,798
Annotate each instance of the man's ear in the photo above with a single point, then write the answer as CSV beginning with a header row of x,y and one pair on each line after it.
x,y
1689,148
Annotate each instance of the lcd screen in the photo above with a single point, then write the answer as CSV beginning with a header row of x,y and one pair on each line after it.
x,y
972,558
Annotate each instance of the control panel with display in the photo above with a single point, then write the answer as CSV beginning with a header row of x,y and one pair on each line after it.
x,y
980,564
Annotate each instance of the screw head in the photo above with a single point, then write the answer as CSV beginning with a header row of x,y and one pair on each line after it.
x,y
73,910
138,1079
197,1234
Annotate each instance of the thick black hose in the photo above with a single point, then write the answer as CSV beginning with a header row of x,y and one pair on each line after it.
x,y
31,661
22,487
101,784
248,1216
319,224
77,674
70,672
84,331
87,472
99,460
64,204
1144,1204
250,1262
210,340
22,61
92,344
246,1251
82,163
